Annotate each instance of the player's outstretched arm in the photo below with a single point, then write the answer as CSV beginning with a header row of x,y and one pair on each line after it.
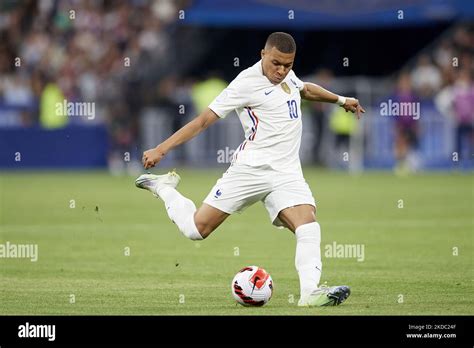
x,y
314,92
153,156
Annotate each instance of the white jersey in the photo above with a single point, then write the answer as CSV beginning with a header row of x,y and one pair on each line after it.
x,y
270,116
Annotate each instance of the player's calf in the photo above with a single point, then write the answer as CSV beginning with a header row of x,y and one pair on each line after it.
x,y
208,218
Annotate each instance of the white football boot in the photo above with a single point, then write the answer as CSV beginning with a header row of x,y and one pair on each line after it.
x,y
326,296
154,183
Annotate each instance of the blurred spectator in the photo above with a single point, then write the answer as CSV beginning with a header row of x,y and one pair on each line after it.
x,y
123,145
463,40
342,124
176,100
463,107
319,112
426,77
52,96
443,55
204,92
406,128
16,90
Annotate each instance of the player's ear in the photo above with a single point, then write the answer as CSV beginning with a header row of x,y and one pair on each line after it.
x,y
262,53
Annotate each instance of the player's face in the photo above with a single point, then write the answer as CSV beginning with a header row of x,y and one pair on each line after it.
x,y
276,65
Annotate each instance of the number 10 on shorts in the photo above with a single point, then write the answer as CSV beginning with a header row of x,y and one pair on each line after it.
x,y
293,108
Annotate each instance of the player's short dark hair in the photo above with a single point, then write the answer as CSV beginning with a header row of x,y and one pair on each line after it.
x,y
283,42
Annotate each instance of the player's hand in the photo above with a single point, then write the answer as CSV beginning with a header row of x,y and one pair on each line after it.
x,y
353,105
152,157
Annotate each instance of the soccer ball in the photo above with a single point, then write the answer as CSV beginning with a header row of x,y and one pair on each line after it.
x,y
252,286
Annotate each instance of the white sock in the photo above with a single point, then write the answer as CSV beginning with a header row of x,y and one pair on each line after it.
x,y
308,257
181,211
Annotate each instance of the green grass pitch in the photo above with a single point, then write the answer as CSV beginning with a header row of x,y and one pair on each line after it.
x,y
417,259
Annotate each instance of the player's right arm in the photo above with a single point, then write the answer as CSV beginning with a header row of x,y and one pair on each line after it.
x,y
153,156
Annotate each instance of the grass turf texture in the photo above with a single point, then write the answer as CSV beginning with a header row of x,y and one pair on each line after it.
x,y
408,251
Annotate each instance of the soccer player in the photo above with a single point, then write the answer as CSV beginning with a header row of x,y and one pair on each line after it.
x,y
265,167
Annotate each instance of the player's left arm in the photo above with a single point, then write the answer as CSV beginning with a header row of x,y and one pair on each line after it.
x,y
314,92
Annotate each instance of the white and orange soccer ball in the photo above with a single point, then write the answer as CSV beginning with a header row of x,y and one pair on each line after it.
x,y
252,286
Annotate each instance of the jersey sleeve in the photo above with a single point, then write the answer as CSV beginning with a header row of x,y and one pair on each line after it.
x,y
235,96
298,83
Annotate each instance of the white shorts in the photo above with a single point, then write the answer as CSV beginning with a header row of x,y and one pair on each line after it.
x,y
241,186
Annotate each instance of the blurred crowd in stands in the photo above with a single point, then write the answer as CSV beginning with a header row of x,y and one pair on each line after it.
x,y
102,51
80,51
441,74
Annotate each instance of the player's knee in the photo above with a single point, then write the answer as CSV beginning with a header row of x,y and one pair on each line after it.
x,y
203,225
